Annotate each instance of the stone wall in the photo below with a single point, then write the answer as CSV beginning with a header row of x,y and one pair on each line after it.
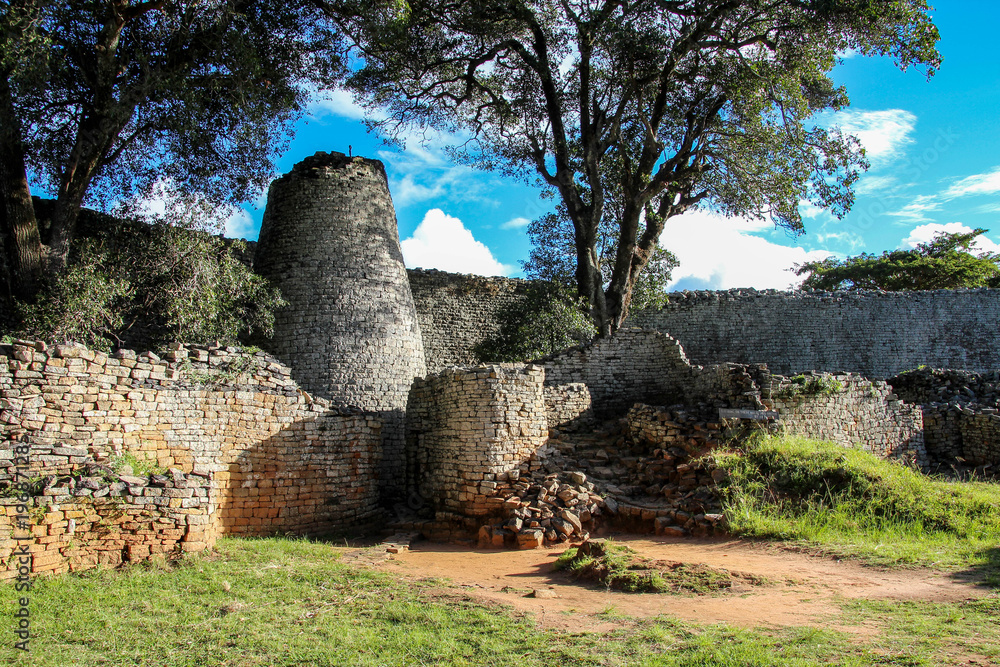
x,y
329,242
961,413
274,458
99,517
637,366
849,410
467,429
457,312
876,334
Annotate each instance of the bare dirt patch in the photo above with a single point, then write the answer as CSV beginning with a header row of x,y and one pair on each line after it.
x,y
771,586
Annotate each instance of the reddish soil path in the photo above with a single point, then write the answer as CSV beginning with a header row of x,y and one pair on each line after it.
x,y
797,588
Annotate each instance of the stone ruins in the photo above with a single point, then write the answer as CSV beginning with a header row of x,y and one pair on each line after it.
x,y
370,407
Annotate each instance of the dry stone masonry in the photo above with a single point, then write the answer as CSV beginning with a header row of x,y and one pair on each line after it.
x,y
875,334
467,429
961,411
329,242
270,457
458,312
142,455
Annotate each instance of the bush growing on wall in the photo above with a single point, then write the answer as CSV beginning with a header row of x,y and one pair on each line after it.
x,y
547,320
153,283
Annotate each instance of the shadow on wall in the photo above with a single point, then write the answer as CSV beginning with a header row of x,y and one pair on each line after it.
x,y
314,476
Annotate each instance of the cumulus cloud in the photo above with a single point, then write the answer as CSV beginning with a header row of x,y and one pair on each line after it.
x,y
926,233
442,242
516,223
884,134
978,184
716,252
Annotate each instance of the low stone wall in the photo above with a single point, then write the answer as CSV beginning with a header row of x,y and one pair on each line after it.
x,y
961,412
467,429
632,366
274,459
98,517
568,406
849,410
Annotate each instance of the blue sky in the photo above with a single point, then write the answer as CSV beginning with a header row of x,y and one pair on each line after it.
x,y
934,147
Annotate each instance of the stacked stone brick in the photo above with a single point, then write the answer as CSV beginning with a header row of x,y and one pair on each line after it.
x,y
457,312
849,410
961,411
97,516
274,458
468,428
329,242
876,334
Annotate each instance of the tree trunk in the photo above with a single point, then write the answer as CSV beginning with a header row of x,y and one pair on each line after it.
x,y
22,244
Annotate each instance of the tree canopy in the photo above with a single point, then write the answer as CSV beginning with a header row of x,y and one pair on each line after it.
x,y
946,262
553,259
104,98
660,105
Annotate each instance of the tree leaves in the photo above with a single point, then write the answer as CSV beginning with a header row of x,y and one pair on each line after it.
x,y
944,263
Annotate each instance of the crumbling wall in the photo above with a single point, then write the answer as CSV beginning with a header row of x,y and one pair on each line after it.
x,y
274,458
961,411
99,517
466,428
876,334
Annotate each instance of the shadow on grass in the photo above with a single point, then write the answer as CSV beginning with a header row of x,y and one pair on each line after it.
x,y
987,572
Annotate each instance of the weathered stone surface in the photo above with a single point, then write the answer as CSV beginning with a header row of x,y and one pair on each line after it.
x,y
329,242
875,334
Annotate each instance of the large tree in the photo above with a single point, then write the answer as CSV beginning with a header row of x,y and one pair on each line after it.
x,y
674,103
104,98
948,261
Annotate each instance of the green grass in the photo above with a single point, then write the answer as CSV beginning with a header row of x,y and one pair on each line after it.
x,y
620,568
281,602
853,503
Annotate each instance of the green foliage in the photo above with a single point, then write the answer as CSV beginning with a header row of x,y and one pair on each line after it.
x,y
168,279
809,385
140,467
123,94
548,319
851,502
619,567
86,304
946,262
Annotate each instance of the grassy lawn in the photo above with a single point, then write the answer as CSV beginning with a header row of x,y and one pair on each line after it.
x,y
291,602
286,602
851,503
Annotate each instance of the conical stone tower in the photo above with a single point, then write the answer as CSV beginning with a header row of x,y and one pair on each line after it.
x,y
330,243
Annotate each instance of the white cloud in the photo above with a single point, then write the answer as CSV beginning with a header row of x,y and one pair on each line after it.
x,y
883,184
240,225
850,240
916,209
716,252
516,223
884,134
442,242
926,233
979,184
337,102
